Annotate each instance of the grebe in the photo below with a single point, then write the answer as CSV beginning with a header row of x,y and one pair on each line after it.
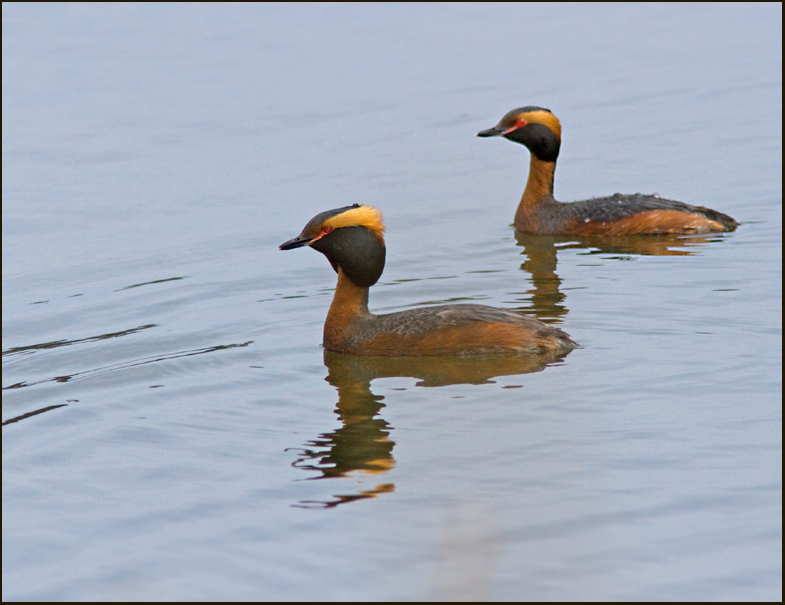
x,y
540,213
352,239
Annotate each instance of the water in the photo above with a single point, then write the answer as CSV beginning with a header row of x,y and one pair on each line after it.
x,y
172,427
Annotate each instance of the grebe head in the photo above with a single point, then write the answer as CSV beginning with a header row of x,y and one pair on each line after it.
x,y
535,127
352,239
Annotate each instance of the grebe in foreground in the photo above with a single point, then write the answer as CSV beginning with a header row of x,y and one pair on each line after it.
x,y
539,130
352,239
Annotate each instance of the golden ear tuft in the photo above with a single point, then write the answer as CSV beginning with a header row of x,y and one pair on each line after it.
x,y
362,216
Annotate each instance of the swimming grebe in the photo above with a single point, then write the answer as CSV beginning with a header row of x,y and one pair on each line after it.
x,y
352,239
540,213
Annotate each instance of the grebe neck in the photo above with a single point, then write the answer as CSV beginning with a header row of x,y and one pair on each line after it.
x,y
349,302
539,187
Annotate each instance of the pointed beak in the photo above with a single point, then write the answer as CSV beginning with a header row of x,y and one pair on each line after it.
x,y
297,242
491,132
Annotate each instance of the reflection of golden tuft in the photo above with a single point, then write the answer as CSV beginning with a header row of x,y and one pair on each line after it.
x,y
382,488
381,465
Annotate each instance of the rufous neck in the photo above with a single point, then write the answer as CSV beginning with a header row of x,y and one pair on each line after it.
x,y
539,185
349,302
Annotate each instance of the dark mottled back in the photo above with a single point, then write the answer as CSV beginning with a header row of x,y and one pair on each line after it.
x,y
619,206
417,322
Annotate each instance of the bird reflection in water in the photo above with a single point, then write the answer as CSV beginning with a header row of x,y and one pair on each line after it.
x,y
361,447
546,301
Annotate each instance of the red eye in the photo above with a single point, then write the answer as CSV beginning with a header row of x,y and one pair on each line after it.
x,y
519,123
326,230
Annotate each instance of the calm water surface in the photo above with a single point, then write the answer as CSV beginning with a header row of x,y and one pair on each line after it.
x,y
173,428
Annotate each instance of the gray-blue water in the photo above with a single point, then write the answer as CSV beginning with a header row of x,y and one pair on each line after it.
x,y
172,427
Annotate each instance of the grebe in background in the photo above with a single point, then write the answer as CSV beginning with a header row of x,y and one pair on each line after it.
x,y
352,239
539,213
